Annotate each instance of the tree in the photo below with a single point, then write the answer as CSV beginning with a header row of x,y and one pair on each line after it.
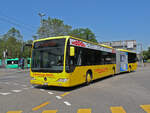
x,y
1,47
13,33
86,34
34,37
53,27
56,27
12,42
146,54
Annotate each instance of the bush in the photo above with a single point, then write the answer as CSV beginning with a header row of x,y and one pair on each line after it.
x,y
148,61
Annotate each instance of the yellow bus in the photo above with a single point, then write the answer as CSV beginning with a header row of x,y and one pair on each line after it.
x,y
67,61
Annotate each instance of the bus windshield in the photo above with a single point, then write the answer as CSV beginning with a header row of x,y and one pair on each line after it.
x,y
48,56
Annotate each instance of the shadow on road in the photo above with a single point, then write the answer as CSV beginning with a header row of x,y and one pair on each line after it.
x,y
66,89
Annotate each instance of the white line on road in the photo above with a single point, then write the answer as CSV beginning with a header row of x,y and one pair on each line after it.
x,y
58,97
50,93
24,85
67,103
16,91
7,83
42,90
5,93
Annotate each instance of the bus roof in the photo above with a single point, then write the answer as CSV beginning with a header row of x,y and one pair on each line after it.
x,y
49,38
67,37
124,50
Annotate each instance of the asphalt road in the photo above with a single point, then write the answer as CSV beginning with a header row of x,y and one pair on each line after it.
x,y
123,93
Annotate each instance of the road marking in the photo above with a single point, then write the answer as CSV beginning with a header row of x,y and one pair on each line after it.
x,y
50,93
67,103
65,94
50,111
14,112
16,91
25,88
117,109
40,106
24,85
42,90
5,93
146,108
7,83
58,97
84,111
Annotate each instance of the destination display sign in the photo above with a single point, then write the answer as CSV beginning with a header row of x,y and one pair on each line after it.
x,y
49,43
90,46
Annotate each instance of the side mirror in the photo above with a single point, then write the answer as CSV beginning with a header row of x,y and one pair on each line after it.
x,y
30,45
22,48
137,59
72,51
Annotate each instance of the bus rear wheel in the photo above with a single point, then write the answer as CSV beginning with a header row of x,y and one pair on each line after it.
x,y
130,69
114,71
88,78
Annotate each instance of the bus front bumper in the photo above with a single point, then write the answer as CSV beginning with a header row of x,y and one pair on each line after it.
x,y
60,84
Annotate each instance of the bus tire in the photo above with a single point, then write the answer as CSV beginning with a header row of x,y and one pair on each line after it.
x,y
114,71
130,69
88,77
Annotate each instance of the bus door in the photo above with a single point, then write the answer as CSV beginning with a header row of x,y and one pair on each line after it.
x,y
123,61
117,61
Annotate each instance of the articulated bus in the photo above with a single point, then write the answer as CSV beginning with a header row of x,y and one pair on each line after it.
x,y
66,61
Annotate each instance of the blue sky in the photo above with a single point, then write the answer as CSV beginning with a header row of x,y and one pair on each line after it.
x,y
110,20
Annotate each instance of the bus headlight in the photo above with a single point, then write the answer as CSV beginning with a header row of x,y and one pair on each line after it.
x,y
62,80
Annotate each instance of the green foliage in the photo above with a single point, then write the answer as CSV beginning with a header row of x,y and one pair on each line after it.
x,y
53,27
85,34
12,41
56,27
14,33
1,47
146,54
148,61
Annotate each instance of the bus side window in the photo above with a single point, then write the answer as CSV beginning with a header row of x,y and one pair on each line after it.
x,y
70,61
83,58
132,58
78,59
9,62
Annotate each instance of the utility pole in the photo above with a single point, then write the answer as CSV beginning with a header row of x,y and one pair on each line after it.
x,y
141,54
124,44
41,17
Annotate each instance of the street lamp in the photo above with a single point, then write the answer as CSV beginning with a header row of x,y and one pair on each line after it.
x,y
41,19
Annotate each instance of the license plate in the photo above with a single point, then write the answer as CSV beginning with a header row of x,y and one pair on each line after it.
x,y
45,83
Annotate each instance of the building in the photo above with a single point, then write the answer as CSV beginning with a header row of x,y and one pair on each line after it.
x,y
125,44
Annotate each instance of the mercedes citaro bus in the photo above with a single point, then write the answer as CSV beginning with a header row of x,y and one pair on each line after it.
x,y
67,61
